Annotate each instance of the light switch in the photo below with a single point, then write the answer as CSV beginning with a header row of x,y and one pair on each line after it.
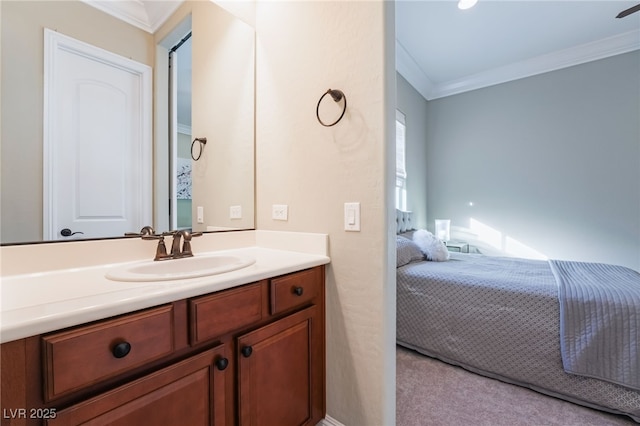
x,y
352,216
200,214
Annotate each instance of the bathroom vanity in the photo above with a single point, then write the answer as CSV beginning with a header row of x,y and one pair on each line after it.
x,y
221,352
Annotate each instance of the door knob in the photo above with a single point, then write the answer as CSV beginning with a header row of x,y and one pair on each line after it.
x,y
66,232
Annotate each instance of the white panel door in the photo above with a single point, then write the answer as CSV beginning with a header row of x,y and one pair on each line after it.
x,y
97,142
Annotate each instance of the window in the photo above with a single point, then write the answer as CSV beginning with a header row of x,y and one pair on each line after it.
x,y
401,171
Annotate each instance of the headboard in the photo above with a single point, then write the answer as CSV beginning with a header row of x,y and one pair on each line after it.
x,y
403,221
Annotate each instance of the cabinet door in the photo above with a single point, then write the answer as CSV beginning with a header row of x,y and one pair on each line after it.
x,y
280,369
190,392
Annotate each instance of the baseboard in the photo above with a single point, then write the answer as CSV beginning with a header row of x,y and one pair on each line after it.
x,y
329,421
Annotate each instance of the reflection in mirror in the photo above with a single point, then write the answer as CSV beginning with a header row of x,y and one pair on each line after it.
x,y
222,69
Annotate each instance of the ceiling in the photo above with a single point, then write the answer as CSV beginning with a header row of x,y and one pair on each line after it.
x,y
148,15
442,50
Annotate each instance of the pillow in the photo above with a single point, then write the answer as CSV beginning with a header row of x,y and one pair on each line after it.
x,y
433,248
407,251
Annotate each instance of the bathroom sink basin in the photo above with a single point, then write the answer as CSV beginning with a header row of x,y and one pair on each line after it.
x,y
177,269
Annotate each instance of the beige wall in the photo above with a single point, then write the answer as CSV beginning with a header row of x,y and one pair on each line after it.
x,y
22,53
304,48
223,112
223,56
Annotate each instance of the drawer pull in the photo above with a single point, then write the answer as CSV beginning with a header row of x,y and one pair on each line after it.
x,y
121,349
298,291
247,351
222,363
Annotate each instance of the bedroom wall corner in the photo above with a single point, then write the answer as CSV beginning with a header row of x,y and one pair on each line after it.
x,y
411,103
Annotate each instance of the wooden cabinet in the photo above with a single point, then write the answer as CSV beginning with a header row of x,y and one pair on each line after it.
x,y
190,392
219,313
250,355
277,382
82,356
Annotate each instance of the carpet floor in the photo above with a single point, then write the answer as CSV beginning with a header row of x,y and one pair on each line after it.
x,y
432,393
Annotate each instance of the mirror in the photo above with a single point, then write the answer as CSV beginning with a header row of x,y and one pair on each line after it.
x,y
223,77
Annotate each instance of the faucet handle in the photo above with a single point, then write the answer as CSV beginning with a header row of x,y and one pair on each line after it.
x,y
147,230
186,245
161,250
153,237
186,234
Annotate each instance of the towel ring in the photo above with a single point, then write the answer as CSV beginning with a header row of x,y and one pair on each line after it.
x,y
337,96
203,142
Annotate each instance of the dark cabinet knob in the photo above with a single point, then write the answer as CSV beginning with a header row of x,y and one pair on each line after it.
x,y
121,349
247,351
298,291
222,363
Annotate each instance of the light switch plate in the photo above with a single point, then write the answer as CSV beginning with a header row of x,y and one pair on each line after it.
x,y
280,212
200,214
352,216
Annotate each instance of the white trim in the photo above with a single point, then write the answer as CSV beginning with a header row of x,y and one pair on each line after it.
x,y
611,46
173,140
131,12
54,43
411,71
144,14
329,421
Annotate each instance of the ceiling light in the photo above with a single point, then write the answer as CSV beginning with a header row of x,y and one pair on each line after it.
x,y
466,4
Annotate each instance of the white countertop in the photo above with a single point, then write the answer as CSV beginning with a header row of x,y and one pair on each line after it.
x,y
35,303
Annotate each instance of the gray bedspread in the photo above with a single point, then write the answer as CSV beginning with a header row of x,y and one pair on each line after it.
x,y
599,320
499,317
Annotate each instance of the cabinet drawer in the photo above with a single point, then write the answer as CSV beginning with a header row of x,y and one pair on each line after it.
x,y
295,289
214,315
190,392
83,356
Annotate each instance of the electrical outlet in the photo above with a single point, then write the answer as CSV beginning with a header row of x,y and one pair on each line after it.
x,y
235,212
280,212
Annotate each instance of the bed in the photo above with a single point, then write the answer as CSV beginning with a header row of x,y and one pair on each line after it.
x,y
513,319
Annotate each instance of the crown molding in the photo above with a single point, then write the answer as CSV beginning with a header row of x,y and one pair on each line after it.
x,y
577,55
411,71
144,14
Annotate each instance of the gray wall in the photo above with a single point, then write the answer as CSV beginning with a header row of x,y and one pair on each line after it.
x,y
552,161
414,107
